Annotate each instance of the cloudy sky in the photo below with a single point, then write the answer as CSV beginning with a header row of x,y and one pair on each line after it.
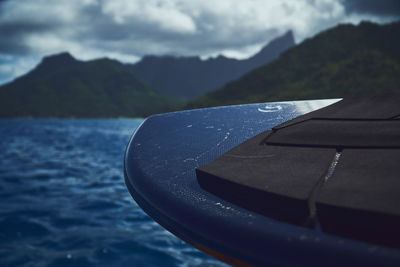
x,y
128,29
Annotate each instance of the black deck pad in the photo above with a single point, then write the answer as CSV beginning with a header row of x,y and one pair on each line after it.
x,y
339,164
340,134
258,177
362,198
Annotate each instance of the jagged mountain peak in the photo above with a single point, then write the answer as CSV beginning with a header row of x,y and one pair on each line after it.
x,y
347,60
278,44
189,77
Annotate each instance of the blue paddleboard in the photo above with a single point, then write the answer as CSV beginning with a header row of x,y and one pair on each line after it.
x,y
160,163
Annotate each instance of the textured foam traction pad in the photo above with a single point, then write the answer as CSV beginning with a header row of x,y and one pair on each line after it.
x,y
340,134
338,165
257,176
362,198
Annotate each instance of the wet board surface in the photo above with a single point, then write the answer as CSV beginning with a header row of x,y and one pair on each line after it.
x,y
160,164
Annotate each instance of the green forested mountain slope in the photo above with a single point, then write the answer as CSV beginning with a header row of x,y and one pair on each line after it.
x,y
344,61
61,86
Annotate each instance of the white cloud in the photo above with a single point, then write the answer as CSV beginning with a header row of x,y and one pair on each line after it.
x,y
159,15
39,11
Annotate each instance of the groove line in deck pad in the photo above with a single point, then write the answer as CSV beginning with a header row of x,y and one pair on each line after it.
x,y
318,186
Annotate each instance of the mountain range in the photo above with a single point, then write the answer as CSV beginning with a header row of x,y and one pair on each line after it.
x,y
189,77
61,86
346,60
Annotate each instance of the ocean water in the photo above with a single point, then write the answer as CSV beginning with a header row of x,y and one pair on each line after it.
x,y
63,201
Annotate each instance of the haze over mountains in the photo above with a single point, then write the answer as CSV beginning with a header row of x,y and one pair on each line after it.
x,y
188,77
346,60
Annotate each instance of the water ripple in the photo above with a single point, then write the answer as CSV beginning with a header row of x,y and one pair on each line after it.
x,y
63,201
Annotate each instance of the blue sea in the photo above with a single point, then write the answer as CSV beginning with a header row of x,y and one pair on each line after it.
x,y
63,201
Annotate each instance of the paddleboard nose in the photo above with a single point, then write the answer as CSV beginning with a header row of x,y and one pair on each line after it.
x,y
337,167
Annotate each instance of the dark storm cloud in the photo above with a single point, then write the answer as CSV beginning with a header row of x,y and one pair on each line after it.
x,y
13,35
376,7
140,27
